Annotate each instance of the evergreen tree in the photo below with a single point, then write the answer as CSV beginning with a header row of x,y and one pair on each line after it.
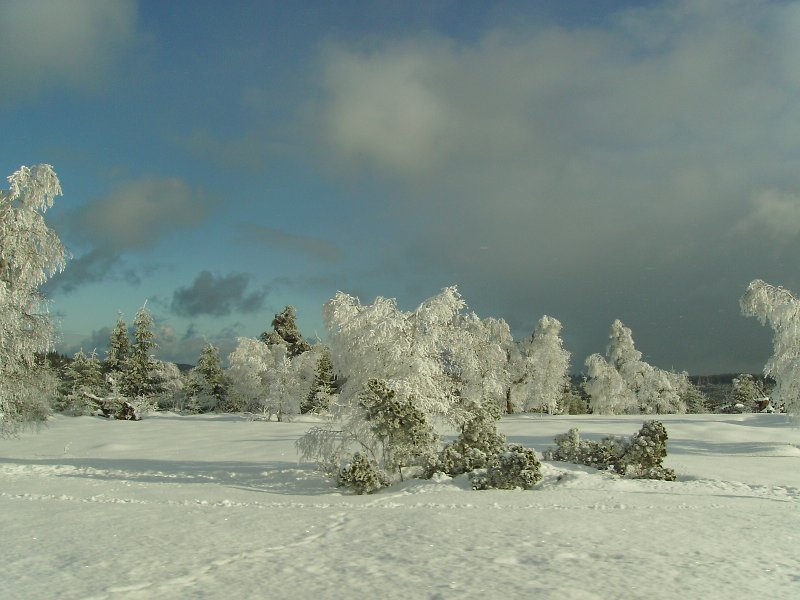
x,y
83,380
323,387
119,347
30,253
213,382
140,378
285,330
746,391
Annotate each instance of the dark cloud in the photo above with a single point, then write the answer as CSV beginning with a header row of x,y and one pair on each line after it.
x,y
629,169
131,219
315,248
217,295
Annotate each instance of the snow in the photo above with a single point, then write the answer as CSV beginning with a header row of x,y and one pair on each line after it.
x,y
215,506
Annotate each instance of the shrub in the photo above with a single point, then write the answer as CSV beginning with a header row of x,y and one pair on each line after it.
x,y
362,475
478,445
639,457
515,467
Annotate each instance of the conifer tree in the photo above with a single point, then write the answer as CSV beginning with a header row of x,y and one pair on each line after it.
x,y
119,346
285,330
139,379
323,387
83,379
30,253
208,385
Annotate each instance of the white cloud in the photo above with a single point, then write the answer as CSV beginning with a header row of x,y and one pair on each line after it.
x,y
44,43
775,213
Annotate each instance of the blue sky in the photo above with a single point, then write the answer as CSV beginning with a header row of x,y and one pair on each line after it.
x,y
589,160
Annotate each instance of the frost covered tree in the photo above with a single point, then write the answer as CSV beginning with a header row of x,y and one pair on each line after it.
x,y
30,253
779,308
436,357
264,379
544,369
119,346
608,392
285,330
637,386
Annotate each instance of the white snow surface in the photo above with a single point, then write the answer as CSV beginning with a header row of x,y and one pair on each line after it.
x,y
216,506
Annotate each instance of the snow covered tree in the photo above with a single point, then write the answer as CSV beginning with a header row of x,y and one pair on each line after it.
x,y
608,393
544,369
779,308
207,384
139,379
30,253
436,357
323,387
636,386
403,436
264,379
285,330
83,379
119,346
745,393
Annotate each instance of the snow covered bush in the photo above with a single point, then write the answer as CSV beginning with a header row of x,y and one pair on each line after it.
x,y
779,308
515,467
639,457
404,436
30,253
477,446
362,475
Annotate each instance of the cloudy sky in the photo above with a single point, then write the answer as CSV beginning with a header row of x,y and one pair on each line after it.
x,y
589,160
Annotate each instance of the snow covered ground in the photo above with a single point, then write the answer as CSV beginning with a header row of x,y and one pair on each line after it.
x,y
218,507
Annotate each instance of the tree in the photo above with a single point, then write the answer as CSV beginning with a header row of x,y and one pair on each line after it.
x,y
608,393
119,346
83,379
323,387
544,369
745,393
208,384
140,378
637,386
437,358
264,379
30,253
779,308
285,329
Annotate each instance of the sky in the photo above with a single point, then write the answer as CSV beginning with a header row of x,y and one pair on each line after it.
x,y
589,160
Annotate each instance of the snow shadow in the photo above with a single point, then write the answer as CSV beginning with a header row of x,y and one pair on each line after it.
x,y
274,477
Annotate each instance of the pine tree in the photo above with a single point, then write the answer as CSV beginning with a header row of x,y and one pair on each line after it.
x,y
30,253
139,379
208,385
285,330
745,393
83,380
323,388
119,347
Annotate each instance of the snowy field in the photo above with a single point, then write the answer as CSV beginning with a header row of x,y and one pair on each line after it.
x,y
218,507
